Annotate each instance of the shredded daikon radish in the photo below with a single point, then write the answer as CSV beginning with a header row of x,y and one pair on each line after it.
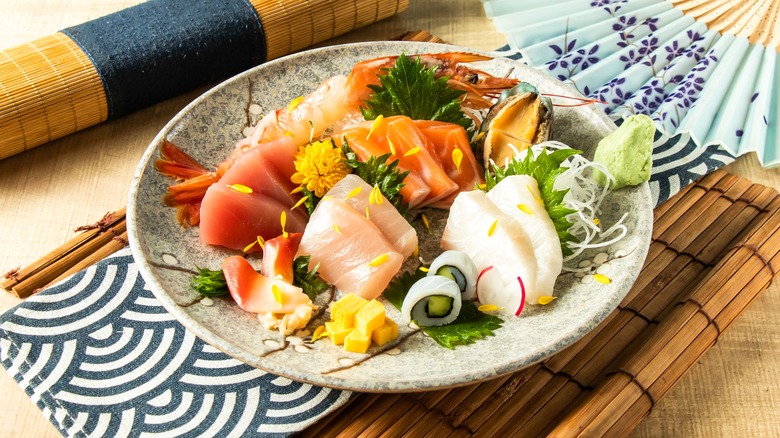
x,y
585,196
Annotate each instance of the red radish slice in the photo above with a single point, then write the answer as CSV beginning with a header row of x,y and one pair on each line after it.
x,y
492,290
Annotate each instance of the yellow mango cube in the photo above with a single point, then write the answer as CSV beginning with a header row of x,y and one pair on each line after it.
x,y
344,310
385,333
370,317
337,332
357,341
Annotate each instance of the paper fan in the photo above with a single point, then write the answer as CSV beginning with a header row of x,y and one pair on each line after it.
x,y
708,68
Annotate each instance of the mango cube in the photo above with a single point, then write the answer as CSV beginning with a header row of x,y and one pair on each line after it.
x,y
385,333
344,310
370,317
357,341
337,332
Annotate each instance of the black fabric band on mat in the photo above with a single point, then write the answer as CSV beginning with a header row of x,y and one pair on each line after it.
x,y
162,48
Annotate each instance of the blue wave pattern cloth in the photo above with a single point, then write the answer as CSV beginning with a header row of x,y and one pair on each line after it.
x,y
100,356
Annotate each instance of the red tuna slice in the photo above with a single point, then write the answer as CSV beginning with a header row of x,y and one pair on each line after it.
x,y
234,220
278,256
351,252
446,138
254,292
413,150
415,190
249,199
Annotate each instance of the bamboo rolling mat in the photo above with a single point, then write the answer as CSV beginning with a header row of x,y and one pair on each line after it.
x,y
714,248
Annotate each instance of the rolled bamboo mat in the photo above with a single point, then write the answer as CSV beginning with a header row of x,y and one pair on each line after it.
x,y
84,75
714,248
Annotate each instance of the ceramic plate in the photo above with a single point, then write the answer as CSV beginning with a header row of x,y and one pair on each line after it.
x,y
208,129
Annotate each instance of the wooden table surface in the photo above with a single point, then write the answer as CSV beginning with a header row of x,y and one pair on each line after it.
x,y
48,191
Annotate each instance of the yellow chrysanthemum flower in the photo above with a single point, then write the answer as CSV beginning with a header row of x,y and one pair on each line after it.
x,y
319,166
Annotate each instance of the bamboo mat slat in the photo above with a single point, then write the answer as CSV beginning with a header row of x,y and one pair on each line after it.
x,y
714,248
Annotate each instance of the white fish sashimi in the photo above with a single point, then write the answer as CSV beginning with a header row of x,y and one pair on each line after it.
x,y
493,240
519,197
355,192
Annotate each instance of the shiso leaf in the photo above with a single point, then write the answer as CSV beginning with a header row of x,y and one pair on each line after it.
x,y
210,283
545,168
308,280
470,326
379,173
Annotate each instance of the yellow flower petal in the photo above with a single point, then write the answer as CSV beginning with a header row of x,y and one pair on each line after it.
x,y
354,192
457,157
412,151
479,136
379,260
423,269
492,228
288,133
240,188
298,189
601,278
319,332
425,222
368,216
416,251
278,296
546,299
294,103
261,241
283,221
525,209
248,247
488,308
392,147
336,227
596,221
298,204
374,125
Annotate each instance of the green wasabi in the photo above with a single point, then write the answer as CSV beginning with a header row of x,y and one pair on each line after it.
x,y
627,152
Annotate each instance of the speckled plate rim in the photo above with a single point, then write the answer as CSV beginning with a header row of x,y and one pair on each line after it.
x,y
565,339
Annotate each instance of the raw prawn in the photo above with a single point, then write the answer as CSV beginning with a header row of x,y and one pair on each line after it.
x,y
334,105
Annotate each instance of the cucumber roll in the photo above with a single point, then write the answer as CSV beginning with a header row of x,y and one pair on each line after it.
x,y
432,301
459,267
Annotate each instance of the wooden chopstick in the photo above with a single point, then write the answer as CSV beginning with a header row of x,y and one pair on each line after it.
x,y
94,243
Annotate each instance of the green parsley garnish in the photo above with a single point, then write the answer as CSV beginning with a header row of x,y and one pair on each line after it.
x,y
470,326
309,281
544,168
410,89
210,283
377,172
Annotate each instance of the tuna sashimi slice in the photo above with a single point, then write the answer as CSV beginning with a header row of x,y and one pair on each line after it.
x,y
351,252
519,197
249,198
496,242
384,215
234,219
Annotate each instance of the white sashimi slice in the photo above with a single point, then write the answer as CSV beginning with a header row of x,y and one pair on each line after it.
x,y
519,197
351,252
356,192
496,241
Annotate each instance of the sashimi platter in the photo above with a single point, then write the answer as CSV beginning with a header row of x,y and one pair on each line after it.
x,y
391,217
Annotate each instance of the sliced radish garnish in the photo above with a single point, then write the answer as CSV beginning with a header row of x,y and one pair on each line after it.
x,y
491,289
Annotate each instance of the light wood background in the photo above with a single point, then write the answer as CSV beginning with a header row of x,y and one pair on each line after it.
x,y
46,192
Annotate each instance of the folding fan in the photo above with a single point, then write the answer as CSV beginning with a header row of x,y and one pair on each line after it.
x,y
704,68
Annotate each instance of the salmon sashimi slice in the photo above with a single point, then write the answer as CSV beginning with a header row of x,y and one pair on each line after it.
x,y
499,247
415,190
357,194
351,252
414,153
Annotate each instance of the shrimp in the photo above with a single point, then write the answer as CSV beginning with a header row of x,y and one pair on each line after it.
x,y
332,107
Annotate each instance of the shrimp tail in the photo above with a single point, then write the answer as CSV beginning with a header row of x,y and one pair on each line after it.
x,y
176,163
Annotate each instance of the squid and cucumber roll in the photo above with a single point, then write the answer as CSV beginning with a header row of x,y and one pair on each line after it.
x,y
459,267
432,301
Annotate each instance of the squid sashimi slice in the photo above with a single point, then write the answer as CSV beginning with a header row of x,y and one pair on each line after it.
x,y
234,219
414,153
356,193
497,244
370,139
257,293
249,199
351,252
519,197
